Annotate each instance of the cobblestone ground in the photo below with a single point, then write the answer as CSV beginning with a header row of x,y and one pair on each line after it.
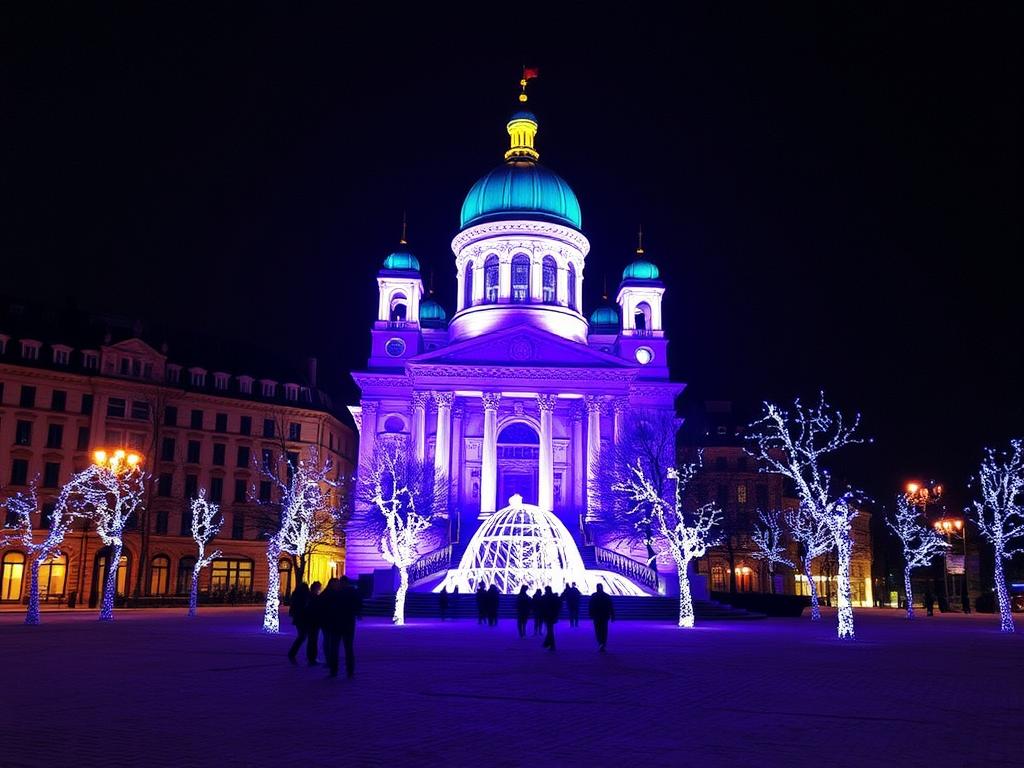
x,y
155,688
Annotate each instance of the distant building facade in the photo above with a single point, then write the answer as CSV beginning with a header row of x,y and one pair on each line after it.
x,y
196,429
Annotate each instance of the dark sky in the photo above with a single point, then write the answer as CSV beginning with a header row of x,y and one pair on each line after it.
x,y
831,192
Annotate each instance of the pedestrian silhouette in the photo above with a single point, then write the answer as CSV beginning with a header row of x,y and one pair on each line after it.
x,y
523,607
929,601
442,602
572,602
535,605
551,606
299,609
481,605
342,607
601,611
493,601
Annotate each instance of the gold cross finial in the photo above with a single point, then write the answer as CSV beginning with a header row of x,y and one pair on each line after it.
x,y
640,241
404,241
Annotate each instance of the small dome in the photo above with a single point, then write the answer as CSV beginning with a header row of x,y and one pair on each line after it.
x,y
521,190
604,319
524,115
640,270
402,260
432,314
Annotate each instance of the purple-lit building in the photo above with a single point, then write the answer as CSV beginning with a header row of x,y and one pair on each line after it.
x,y
517,392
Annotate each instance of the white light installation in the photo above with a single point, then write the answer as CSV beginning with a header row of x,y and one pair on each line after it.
x,y
525,545
206,522
920,543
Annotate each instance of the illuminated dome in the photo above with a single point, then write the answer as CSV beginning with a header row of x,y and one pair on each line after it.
x,y
640,270
402,260
432,314
604,319
524,545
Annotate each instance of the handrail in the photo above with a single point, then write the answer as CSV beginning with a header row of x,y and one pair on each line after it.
x,y
630,568
431,564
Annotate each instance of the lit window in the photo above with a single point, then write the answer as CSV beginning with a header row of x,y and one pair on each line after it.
x,y
549,271
467,285
520,278
491,280
741,493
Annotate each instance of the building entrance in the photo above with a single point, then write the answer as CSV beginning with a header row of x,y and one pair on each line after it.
x,y
518,463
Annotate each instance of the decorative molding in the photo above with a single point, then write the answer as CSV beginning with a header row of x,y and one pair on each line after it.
x,y
517,408
491,400
443,399
521,348
620,405
546,403
594,403
577,410
420,399
425,371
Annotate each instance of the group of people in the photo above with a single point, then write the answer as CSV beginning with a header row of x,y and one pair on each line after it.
x,y
332,612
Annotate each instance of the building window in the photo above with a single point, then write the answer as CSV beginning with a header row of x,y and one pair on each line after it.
x,y
116,407
549,272
292,462
23,433
268,387
55,436
197,377
268,459
192,453
723,495
294,431
467,285
741,464
291,391
46,515
83,439
718,579
242,460
140,410
220,381
186,567
245,385
216,489
218,454
284,577
741,493
520,278
240,492
137,440
160,527
52,576
268,428
90,360
761,495
86,404
264,491
59,401
186,520
30,350
61,356
159,575
572,286
163,484
170,416
191,488
221,422
491,280
721,464
196,420
28,397
100,573
12,576
228,575
167,446
238,526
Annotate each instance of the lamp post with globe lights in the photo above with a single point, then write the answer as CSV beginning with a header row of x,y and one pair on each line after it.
x,y
920,495
952,527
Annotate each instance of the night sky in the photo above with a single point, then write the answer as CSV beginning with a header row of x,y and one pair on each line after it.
x,y
832,193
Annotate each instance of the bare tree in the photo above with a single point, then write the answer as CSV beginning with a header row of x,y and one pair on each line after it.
x,y
206,523
814,540
771,548
920,543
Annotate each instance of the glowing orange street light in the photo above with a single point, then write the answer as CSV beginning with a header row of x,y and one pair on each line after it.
x,y
118,459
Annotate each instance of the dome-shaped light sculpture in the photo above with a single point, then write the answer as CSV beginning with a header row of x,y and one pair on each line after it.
x,y
524,545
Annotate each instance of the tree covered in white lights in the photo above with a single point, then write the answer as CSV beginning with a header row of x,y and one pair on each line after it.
x,y
770,542
794,444
304,492
999,515
814,539
206,523
684,535
920,543
20,508
404,504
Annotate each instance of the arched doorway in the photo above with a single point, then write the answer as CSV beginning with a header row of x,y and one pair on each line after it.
x,y
99,576
518,462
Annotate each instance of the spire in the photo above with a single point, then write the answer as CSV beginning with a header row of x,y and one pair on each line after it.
x,y
640,241
404,240
604,286
529,73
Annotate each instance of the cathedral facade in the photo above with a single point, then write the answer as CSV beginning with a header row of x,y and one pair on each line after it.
x,y
516,395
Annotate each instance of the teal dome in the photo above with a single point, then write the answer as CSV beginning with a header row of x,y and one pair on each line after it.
x,y
640,270
604,318
432,314
521,188
402,260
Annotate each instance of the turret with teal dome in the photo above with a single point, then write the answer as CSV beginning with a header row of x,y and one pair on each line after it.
x,y
402,260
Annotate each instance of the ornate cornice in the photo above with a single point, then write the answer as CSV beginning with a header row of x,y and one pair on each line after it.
x,y
520,228
429,371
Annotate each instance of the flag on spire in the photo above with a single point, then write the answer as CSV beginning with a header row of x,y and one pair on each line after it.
x,y
530,73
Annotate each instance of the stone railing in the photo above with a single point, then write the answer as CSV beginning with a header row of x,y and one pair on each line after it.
x,y
630,568
431,564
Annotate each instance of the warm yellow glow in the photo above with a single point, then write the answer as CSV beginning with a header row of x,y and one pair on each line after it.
x,y
118,454
133,459
101,457
958,524
522,132
913,487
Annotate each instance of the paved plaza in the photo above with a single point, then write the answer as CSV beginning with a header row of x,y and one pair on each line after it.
x,y
154,688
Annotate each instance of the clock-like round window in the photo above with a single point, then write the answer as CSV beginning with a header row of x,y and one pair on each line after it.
x,y
395,347
643,355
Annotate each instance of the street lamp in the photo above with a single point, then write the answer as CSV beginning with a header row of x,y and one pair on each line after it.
x,y
118,461
951,527
921,495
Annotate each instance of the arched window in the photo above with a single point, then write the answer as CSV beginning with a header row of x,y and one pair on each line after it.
x,y
52,576
398,301
467,286
572,286
643,316
159,575
520,278
746,579
718,582
99,579
284,573
491,280
13,576
184,582
549,271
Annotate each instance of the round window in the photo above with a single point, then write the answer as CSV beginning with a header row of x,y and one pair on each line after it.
x,y
643,355
395,347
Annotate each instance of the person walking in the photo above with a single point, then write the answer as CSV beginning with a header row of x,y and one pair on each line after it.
x,y
493,603
442,602
551,606
299,609
313,623
572,602
601,611
523,607
342,607
535,604
929,601
481,605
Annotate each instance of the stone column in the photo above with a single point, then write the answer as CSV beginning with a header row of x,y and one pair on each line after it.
x,y
536,282
367,432
455,484
577,457
546,489
504,278
442,447
620,406
419,424
489,460
562,286
593,455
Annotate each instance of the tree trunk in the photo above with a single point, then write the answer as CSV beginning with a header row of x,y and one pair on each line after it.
x,y
272,609
908,589
685,599
403,587
771,578
844,550
732,569
110,588
32,615
193,595
815,612
1005,610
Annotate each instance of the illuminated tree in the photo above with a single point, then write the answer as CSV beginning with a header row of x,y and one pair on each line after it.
x,y
304,492
404,505
999,515
767,537
684,536
206,523
794,444
815,539
21,507
920,543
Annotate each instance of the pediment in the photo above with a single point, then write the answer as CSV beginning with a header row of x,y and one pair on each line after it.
x,y
136,346
522,345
